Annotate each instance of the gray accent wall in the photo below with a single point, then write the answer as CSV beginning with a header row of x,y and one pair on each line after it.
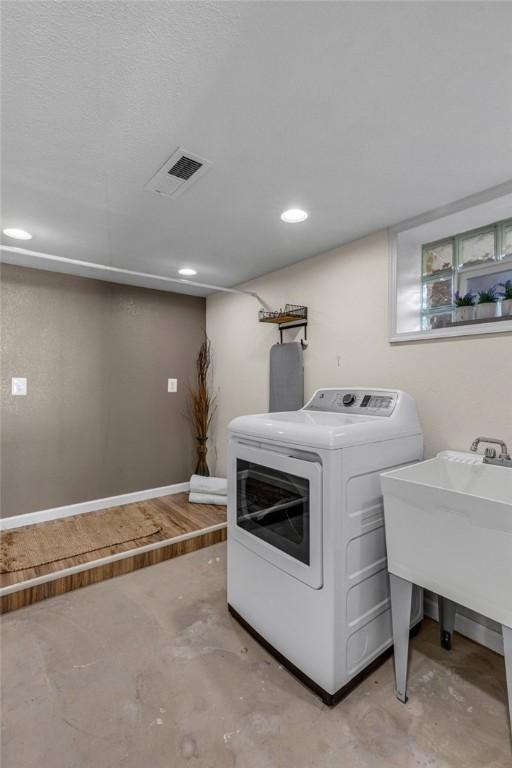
x,y
98,420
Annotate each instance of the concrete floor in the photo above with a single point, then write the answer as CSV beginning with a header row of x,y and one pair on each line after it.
x,y
148,670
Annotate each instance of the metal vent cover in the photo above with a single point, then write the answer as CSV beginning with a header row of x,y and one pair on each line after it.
x,y
185,167
178,173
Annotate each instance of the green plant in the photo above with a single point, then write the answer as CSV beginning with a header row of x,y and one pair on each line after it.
x,y
488,297
202,406
468,300
507,290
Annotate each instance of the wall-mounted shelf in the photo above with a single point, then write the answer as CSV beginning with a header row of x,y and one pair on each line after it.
x,y
292,316
291,313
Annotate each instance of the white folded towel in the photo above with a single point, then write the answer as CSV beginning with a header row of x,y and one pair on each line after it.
x,y
209,485
207,498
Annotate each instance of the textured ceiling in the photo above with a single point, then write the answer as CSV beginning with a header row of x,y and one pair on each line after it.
x,y
363,113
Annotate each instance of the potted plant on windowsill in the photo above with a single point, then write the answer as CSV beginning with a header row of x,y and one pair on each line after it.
x,y
464,307
506,304
487,306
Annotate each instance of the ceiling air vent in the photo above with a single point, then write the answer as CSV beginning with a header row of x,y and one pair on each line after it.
x,y
178,173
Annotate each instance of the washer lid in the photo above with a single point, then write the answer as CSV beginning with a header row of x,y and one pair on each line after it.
x,y
337,428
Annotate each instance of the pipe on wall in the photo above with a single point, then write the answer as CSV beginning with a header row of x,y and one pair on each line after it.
x,y
107,272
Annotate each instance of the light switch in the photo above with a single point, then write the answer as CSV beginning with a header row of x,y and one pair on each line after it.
x,y
18,385
172,385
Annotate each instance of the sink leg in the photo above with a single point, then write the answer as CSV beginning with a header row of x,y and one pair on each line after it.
x,y
447,611
401,599
507,646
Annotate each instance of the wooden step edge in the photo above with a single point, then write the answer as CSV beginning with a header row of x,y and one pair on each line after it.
x,y
30,591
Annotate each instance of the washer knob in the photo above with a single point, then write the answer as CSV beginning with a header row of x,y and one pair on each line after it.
x,y
349,399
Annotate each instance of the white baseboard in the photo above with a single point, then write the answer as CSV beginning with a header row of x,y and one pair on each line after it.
x,y
468,627
90,506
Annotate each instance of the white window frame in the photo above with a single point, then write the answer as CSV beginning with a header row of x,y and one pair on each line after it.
x,y
476,329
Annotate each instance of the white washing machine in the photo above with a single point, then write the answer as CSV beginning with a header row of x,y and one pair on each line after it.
x,y
306,548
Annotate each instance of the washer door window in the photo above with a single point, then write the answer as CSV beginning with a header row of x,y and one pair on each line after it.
x,y
274,506
275,509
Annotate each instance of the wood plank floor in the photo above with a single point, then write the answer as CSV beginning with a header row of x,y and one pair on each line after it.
x,y
174,515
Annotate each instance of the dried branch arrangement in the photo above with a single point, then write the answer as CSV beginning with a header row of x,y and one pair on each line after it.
x,y
202,406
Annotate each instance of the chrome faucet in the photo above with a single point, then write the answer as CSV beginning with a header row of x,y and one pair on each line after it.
x,y
503,460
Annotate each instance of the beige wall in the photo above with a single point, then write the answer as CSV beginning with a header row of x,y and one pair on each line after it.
x,y
98,419
462,387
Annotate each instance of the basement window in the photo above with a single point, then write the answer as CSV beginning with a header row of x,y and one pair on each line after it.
x,y
466,246
474,260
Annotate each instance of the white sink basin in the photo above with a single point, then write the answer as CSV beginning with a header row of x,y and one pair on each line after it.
x,y
449,529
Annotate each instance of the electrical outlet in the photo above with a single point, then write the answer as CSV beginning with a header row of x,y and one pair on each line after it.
x,y
18,385
172,385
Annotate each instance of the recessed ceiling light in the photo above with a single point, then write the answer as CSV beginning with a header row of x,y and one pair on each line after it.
x,y
294,215
187,271
17,234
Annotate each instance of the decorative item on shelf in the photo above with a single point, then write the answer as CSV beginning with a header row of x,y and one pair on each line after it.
x,y
464,307
506,301
292,316
487,305
202,406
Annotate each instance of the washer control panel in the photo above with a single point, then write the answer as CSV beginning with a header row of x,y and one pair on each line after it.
x,y
376,402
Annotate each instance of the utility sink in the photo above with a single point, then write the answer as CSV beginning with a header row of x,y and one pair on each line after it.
x,y
449,529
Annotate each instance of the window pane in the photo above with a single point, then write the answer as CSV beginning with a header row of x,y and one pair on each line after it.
x,y
437,293
478,248
507,240
431,322
274,506
484,282
437,257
